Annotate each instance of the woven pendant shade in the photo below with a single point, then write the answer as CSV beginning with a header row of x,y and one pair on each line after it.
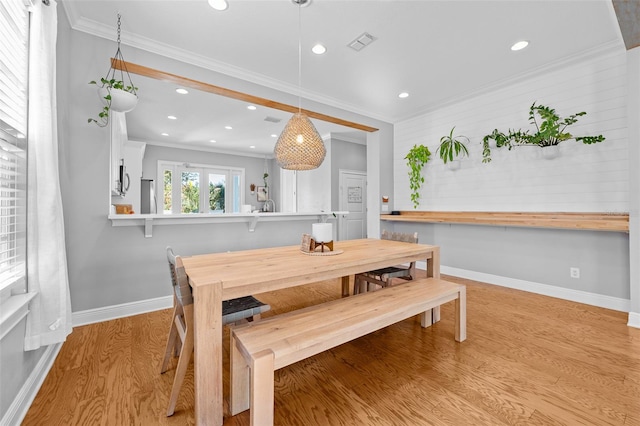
x,y
300,146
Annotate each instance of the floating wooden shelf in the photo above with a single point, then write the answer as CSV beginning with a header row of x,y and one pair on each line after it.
x,y
615,222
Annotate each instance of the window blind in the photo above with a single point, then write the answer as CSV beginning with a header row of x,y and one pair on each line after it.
x,y
14,30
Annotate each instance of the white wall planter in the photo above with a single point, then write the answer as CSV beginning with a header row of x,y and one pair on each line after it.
x,y
550,152
121,100
453,165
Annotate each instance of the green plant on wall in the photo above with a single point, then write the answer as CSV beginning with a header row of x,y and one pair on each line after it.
x,y
452,147
550,130
416,158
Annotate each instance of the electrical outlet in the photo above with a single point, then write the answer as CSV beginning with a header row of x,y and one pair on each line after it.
x,y
574,272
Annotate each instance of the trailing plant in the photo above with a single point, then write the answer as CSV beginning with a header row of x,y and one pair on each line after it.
x,y
451,147
103,116
416,158
550,131
264,178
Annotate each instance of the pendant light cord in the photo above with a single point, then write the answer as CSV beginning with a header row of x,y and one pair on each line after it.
x,y
299,58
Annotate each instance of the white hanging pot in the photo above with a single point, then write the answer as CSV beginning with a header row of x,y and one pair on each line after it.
x,y
550,152
453,165
121,100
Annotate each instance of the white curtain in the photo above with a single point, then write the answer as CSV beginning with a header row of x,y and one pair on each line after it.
x,y
49,319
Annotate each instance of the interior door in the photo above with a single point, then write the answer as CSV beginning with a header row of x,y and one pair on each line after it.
x,y
353,198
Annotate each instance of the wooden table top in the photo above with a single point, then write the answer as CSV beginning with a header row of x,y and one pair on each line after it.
x,y
255,271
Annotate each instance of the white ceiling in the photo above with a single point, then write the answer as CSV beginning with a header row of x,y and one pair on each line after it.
x,y
437,51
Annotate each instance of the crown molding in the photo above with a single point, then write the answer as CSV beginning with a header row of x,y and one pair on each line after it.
x,y
344,138
134,40
614,47
208,149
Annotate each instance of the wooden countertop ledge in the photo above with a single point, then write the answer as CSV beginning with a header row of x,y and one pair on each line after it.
x,y
613,222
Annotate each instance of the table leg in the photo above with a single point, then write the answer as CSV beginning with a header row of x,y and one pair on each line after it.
x,y
208,354
433,270
345,286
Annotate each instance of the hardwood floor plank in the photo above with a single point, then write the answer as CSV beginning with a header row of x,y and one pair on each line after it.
x,y
528,360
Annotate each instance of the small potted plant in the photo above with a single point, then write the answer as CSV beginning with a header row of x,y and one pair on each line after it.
x,y
451,147
116,96
416,158
550,131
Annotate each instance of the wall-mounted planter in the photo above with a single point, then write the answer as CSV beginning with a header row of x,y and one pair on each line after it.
x,y
453,165
550,152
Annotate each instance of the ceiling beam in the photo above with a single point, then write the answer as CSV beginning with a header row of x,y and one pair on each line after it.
x,y
210,88
628,14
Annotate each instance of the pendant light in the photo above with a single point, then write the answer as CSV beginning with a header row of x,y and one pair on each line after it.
x,y
300,146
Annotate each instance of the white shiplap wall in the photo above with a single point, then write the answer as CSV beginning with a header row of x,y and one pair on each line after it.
x,y
587,178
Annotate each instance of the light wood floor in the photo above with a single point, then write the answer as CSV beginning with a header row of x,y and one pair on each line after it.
x,y
528,360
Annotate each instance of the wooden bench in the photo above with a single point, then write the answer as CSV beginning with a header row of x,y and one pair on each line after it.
x,y
258,349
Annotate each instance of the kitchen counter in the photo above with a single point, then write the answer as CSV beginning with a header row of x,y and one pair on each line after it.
x,y
149,220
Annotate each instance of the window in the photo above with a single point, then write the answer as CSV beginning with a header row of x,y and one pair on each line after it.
x,y
14,30
200,188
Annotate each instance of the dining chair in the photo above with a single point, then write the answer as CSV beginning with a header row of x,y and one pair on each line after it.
x,y
383,277
180,341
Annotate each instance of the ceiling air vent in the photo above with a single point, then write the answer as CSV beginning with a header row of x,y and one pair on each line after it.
x,y
361,42
272,119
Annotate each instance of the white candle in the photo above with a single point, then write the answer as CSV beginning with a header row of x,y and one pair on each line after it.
x,y
322,232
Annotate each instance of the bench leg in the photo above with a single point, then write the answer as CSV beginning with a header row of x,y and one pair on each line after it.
x,y
461,315
239,372
345,286
261,413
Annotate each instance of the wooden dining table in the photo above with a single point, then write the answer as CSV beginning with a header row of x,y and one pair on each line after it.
x,y
221,276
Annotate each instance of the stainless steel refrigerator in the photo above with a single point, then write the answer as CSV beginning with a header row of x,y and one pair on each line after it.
x,y
148,204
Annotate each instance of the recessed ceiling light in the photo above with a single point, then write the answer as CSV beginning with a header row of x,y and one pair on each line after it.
x,y
228,127
403,95
274,136
520,45
172,117
164,134
182,91
252,107
219,4
212,141
252,147
318,49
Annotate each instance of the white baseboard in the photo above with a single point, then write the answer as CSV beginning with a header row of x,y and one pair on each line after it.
x,y
21,403
600,300
634,319
107,313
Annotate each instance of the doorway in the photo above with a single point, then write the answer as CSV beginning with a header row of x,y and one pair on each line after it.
x,y
353,198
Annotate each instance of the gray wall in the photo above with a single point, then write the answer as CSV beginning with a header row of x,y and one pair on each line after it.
x,y
15,365
538,255
114,265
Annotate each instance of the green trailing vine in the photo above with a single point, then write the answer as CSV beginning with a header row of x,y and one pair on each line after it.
x,y
416,158
550,131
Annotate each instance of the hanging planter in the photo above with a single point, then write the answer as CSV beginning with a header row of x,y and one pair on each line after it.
x,y
116,91
121,100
